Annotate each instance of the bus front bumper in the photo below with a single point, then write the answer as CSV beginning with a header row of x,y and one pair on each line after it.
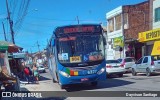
x,y
82,79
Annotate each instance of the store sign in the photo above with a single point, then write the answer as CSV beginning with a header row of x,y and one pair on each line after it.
x,y
3,48
149,35
118,42
156,48
19,55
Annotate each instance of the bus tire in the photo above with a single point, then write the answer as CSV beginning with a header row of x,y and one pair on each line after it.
x,y
94,83
57,77
148,72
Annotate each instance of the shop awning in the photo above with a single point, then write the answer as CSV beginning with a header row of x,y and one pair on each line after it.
x,y
156,48
10,47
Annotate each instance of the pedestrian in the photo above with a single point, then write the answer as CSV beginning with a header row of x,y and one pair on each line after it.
x,y
26,72
36,73
30,74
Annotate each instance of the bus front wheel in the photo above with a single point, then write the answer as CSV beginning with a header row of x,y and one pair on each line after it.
x,y
94,83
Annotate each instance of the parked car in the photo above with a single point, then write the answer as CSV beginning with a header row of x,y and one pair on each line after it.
x,y
113,67
41,69
147,64
127,63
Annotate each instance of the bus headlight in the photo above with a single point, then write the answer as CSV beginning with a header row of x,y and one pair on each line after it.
x,y
64,74
101,71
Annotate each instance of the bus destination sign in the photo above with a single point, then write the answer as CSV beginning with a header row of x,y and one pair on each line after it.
x,y
79,29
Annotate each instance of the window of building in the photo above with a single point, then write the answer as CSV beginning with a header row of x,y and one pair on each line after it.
x,y
111,24
157,14
118,22
125,19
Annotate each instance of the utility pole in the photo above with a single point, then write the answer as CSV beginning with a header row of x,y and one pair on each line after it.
x,y
4,32
38,48
31,55
78,19
10,22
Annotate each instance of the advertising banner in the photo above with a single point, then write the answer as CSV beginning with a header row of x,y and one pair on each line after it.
x,y
118,42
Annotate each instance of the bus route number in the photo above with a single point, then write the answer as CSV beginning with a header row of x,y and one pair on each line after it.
x,y
75,59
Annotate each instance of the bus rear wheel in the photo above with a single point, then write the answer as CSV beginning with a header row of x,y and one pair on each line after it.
x,y
94,83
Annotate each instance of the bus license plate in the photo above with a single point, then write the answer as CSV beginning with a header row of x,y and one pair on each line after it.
x,y
84,79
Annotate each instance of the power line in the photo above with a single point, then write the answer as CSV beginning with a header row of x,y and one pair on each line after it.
x,y
19,21
14,7
20,9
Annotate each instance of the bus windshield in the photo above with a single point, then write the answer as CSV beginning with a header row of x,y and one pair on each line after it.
x,y
80,50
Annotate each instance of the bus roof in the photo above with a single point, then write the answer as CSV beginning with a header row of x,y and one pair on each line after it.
x,y
78,25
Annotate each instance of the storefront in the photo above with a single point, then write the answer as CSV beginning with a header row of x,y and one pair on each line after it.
x,y
152,40
134,49
8,78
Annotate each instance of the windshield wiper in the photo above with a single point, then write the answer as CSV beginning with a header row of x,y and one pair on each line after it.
x,y
82,64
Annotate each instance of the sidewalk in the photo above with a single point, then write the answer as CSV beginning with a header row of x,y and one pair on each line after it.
x,y
44,85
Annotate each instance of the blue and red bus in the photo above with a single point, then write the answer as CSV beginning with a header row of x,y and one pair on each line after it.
x,y
76,54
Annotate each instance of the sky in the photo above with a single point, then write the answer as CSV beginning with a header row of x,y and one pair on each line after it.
x,y
35,21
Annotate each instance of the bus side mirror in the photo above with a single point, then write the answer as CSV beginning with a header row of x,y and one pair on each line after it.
x,y
104,41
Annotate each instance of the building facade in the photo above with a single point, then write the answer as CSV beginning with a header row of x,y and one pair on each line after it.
x,y
124,24
151,38
114,34
138,19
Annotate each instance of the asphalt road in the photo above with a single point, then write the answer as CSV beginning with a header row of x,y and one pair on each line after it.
x,y
117,85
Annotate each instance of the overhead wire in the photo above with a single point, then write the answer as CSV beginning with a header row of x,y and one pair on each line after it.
x,y
20,11
21,4
14,8
20,21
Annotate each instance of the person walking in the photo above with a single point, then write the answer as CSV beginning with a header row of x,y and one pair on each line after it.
x,y
26,72
36,73
31,74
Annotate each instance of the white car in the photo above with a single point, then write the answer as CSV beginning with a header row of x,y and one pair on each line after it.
x,y
113,67
41,69
127,63
147,64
